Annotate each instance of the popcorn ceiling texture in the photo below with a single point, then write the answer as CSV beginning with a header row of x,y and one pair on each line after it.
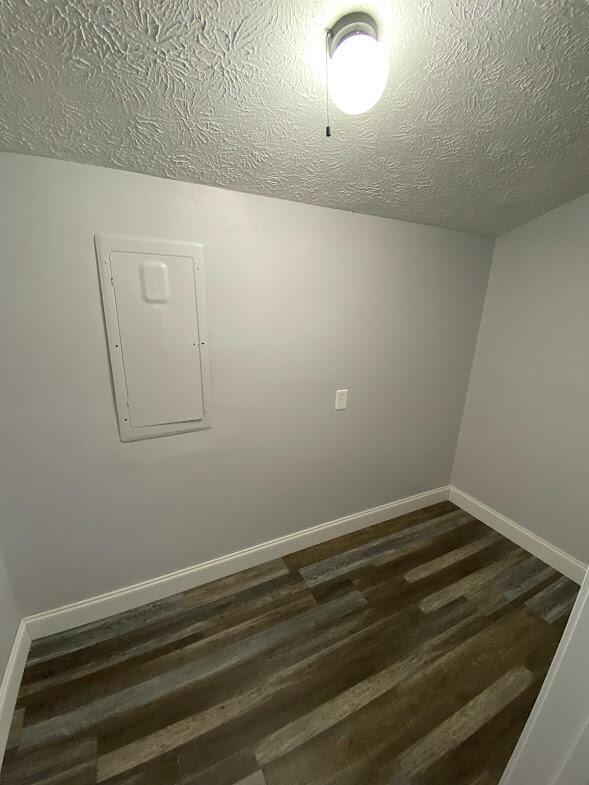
x,y
484,123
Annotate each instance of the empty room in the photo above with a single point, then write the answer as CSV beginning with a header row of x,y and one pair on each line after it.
x,y
294,442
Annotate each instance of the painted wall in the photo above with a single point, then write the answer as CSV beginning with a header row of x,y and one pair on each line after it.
x,y
524,441
301,301
9,617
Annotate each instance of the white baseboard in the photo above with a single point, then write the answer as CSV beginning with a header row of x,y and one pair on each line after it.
x,y
537,546
105,605
125,599
10,684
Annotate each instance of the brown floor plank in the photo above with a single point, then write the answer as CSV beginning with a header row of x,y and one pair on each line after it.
x,y
391,723
341,544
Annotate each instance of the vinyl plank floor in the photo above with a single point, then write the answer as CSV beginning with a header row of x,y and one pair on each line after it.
x,y
407,653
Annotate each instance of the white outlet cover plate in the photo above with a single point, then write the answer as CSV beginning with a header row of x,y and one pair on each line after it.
x,y
341,400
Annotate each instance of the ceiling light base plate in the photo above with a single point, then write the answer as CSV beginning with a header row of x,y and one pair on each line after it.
x,y
351,24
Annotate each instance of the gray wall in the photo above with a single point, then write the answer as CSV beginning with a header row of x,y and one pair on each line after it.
x,y
301,300
9,617
524,441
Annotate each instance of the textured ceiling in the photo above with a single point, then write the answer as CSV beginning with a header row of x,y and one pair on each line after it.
x,y
484,123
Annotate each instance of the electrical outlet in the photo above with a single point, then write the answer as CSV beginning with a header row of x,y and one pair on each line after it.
x,y
341,400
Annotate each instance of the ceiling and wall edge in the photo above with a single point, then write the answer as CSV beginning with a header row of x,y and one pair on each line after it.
x,y
484,123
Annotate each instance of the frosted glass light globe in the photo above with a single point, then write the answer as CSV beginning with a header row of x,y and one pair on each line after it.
x,y
358,74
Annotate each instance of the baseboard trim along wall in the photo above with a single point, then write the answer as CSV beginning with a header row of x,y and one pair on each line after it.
x,y
537,546
10,684
120,600
105,605
125,599
87,611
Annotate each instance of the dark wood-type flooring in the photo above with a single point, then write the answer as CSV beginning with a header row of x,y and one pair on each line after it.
x,y
408,653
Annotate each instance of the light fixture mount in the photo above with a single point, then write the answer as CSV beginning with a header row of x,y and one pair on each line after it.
x,y
357,23
356,65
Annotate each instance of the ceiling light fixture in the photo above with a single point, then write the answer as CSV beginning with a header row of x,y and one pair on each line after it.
x,y
358,67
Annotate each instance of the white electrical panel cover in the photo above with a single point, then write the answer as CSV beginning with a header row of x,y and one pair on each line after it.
x,y
155,313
